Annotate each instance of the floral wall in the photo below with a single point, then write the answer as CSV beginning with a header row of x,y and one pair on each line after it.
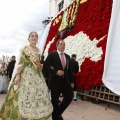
x,y
85,27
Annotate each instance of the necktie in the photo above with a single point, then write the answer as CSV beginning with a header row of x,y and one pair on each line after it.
x,y
62,60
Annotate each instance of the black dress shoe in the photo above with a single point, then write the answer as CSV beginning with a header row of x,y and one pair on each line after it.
x,y
61,118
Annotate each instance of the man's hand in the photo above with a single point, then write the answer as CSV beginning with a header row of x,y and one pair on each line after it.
x,y
51,67
60,73
3,73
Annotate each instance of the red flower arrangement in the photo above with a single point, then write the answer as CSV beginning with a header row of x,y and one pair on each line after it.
x,y
93,19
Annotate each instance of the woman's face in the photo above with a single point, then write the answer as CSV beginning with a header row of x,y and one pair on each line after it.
x,y
33,38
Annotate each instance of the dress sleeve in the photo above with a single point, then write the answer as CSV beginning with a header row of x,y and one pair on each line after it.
x,y
22,60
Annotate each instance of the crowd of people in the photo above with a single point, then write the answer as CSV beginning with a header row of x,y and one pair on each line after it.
x,y
6,71
28,96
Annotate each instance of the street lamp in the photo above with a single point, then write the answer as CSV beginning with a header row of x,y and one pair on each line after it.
x,y
46,21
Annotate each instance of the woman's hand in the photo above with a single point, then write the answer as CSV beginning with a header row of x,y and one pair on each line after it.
x,y
38,64
17,80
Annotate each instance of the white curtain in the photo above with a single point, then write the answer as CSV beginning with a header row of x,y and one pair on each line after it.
x,y
43,37
111,74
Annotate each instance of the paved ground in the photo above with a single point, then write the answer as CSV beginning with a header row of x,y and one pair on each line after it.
x,y
85,110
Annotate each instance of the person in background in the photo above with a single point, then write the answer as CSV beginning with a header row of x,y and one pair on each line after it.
x,y
58,65
10,67
75,69
4,81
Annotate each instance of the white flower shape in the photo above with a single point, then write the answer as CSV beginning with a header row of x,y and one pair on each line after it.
x,y
83,47
47,47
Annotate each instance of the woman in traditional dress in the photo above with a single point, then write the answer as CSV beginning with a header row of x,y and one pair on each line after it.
x,y
28,97
4,81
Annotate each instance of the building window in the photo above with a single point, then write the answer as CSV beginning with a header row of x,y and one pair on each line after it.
x,y
61,5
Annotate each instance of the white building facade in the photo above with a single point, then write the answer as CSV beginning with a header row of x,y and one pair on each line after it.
x,y
58,5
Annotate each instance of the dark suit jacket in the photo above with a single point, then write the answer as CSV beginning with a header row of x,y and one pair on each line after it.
x,y
53,60
74,66
10,68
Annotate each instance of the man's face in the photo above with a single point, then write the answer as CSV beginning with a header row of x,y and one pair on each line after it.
x,y
61,46
13,58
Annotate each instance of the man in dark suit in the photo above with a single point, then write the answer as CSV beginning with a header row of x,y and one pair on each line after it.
x,y
10,67
75,69
42,59
45,74
58,65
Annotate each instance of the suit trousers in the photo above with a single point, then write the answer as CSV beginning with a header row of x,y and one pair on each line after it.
x,y
66,90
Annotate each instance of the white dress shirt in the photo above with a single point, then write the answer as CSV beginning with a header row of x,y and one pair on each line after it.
x,y
60,56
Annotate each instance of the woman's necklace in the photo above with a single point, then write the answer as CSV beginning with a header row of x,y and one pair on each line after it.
x,y
33,46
